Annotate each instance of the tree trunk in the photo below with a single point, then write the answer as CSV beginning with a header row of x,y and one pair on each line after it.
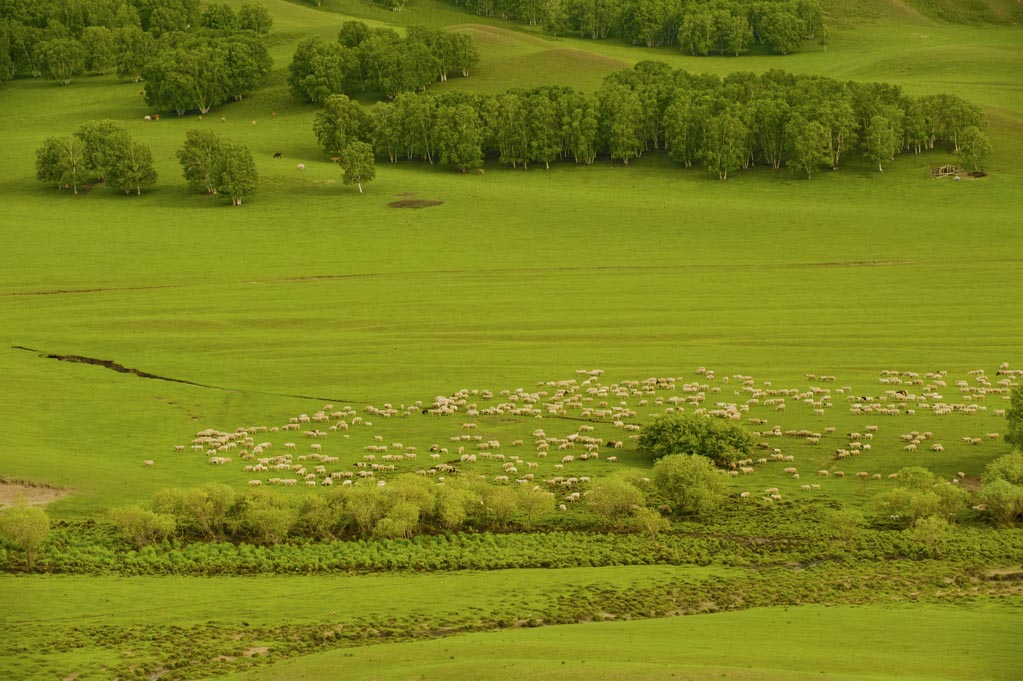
x,y
360,186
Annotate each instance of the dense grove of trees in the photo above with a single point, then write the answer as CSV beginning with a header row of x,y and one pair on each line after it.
x,y
190,59
97,151
697,27
377,60
804,123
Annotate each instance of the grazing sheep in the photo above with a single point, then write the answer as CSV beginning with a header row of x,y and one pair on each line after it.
x,y
300,166
147,462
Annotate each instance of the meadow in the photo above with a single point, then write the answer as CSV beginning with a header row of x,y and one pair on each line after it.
x,y
311,293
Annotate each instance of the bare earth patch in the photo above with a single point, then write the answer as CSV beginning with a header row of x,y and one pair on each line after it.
x,y
414,203
35,493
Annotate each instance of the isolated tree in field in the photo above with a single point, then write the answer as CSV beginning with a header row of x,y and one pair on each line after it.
x,y
720,441
61,160
341,122
130,168
234,172
198,159
64,58
809,145
880,141
140,526
357,164
689,483
26,528
254,17
974,147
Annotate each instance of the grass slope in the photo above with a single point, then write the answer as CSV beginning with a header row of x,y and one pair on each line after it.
x,y
921,642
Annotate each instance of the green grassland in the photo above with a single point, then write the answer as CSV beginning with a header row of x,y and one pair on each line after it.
x,y
870,642
311,293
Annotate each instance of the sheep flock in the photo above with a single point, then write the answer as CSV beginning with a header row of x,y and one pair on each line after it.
x,y
563,434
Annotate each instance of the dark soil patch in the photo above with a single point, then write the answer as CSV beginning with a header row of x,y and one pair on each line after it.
x,y
978,173
414,203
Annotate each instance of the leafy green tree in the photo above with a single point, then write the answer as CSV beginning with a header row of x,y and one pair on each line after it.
x,y
508,120
543,130
809,144
134,47
500,502
974,147
341,122
724,144
738,34
460,142
61,160
364,504
140,526
266,518
881,141
721,442
320,69
621,117
768,123
465,54
353,33
1003,501
219,17
1014,419
193,77
782,31
234,172
837,115
7,68
614,499
248,63
689,483
696,34
64,58
197,157
400,522
581,127
1008,467
254,17
683,126
104,141
25,527
650,521
100,49
131,168
452,505
920,494
534,503
844,523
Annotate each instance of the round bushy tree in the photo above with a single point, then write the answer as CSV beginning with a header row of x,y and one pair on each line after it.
x,y
720,441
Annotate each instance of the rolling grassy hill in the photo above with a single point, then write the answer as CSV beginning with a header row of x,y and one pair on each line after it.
x,y
312,293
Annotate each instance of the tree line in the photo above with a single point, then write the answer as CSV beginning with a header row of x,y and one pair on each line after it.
x,y
697,27
776,119
379,60
191,59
